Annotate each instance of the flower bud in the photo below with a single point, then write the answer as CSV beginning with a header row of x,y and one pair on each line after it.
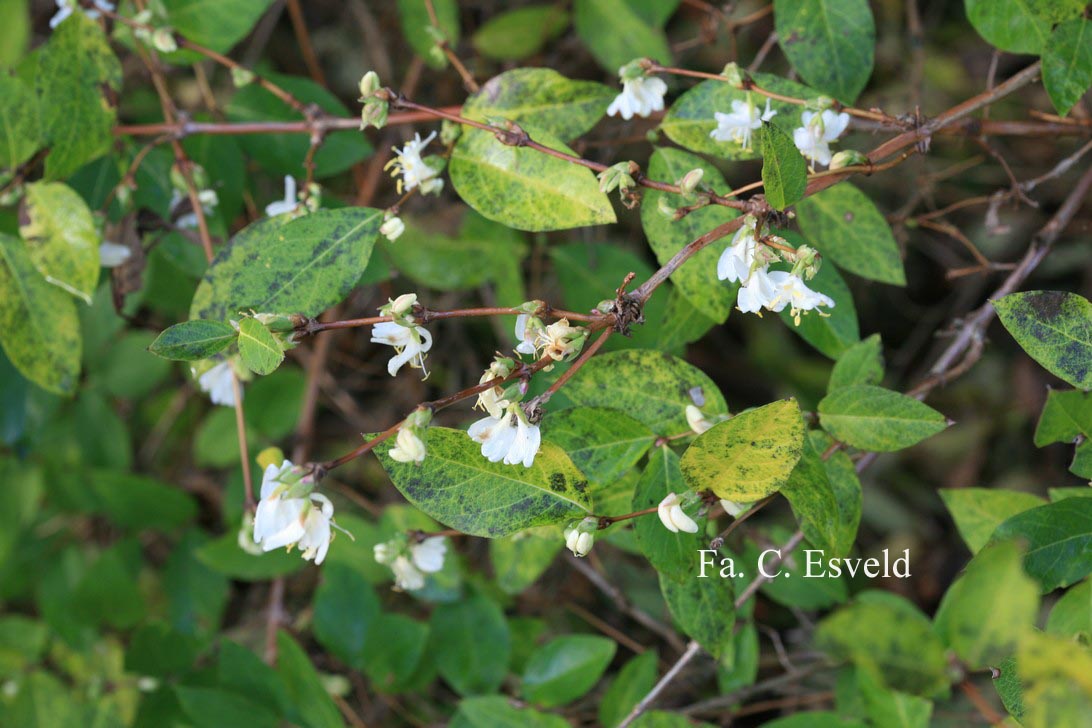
x,y
636,68
374,113
820,103
270,456
369,84
403,304
163,40
393,228
806,262
733,75
732,508
847,158
698,422
665,208
615,177
691,180
241,76
580,538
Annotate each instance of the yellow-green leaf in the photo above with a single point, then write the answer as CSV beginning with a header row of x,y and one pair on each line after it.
x,y
60,234
1055,329
878,419
259,349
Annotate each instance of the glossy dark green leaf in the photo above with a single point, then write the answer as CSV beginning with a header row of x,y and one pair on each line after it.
x,y
541,100
193,340
1059,541
697,280
215,25
844,225
566,668
1055,329
784,171
878,419
633,682
304,266
39,326
345,610
458,487
497,711
60,234
830,43
631,36
516,34
258,348
1015,26
212,707
749,456
225,556
310,704
524,188
139,502
396,649
602,443
704,610
1067,63
673,555
470,643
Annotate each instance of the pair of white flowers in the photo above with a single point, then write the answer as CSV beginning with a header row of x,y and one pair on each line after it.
x,y
747,261
411,563
509,438
290,514
410,341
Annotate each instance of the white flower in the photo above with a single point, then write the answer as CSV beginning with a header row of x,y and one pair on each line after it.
x,y
671,515
414,171
410,344
279,521
317,533
640,96
66,7
288,204
216,382
510,438
738,259
428,556
813,138
732,508
558,340
408,447
738,125
393,228
698,422
580,538
793,292
526,333
757,292
407,577
111,255
208,200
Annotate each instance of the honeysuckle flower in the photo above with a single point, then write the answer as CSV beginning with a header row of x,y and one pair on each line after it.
x,y
847,158
410,343
408,447
216,383
279,518
208,200
738,259
413,170
411,564
369,84
691,180
401,307
739,125
698,422
428,555
732,508
559,340
67,7
672,516
317,532
527,330
492,400
510,438
641,94
580,538
791,291
392,228
813,138
286,205
111,255
757,292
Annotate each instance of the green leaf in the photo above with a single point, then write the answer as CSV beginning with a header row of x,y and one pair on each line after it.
x,y
345,610
1014,26
213,707
1066,416
830,43
244,673
396,647
692,117
673,555
446,263
76,76
1055,329
61,237
749,456
565,668
650,387
814,719
19,124
14,32
259,349
496,711
602,443
631,36
1056,677
42,702
520,559
978,512
458,487
225,556
861,363
138,502
39,326
1059,541
215,24
784,171
1009,688
682,323
524,188
310,704
835,329
1071,615
284,154
305,266
633,682
193,340
844,225
986,612
516,34
1067,63
890,639
890,707
704,610
542,101
816,506
416,24
697,280
878,419
470,643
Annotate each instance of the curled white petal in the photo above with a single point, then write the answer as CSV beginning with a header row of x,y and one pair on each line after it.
x,y
640,97
428,556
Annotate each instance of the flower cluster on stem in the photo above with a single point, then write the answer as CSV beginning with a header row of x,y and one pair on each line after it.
x,y
410,341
